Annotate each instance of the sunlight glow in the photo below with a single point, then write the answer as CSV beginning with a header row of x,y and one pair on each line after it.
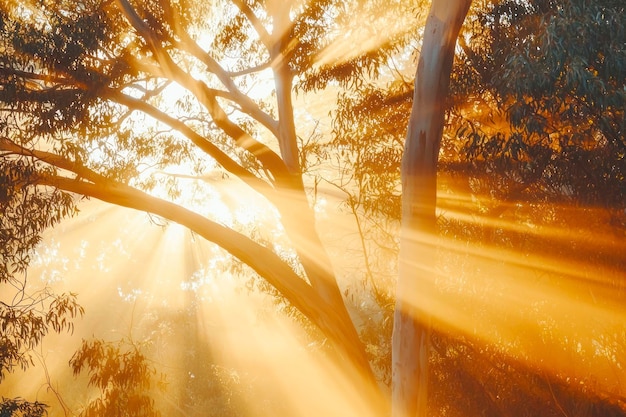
x,y
227,338
511,297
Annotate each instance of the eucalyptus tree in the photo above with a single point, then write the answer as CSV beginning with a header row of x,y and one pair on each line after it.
x,y
539,82
87,90
411,332
535,133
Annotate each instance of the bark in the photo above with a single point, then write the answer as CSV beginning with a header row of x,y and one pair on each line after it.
x,y
411,332
297,215
283,79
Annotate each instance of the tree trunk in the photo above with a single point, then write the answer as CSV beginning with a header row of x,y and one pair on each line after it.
x,y
411,332
297,216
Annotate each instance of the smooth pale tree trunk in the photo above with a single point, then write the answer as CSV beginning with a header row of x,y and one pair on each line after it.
x,y
411,332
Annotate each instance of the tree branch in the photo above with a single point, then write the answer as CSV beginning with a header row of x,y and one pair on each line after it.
x,y
209,148
27,75
262,260
264,35
251,70
50,158
268,158
247,105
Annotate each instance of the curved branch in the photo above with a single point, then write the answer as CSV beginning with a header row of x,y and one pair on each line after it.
x,y
266,120
33,76
247,105
266,263
250,70
50,158
261,259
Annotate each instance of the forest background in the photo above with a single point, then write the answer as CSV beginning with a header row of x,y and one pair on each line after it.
x,y
240,125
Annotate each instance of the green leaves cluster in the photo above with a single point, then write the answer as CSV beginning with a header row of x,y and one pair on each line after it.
x,y
547,82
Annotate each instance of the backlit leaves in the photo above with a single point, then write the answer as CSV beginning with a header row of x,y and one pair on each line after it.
x,y
122,375
26,210
25,322
367,134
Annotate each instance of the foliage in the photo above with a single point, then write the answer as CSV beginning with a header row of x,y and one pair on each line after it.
x,y
25,212
18,407
367,136
122,375
24,322
534,145
78,82
530,98
478,371
548,84
99,99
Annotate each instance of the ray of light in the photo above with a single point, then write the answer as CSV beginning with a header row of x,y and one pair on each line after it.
x,y
548,311
269,348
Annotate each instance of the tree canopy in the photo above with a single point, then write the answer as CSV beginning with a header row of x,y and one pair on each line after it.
x,y
130,101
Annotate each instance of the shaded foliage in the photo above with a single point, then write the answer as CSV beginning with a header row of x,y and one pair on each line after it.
x,y
549,89
123,376
19,407
478,371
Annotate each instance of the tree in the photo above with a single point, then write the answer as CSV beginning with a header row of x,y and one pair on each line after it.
x,y
77,81
505,158
74,78
411,333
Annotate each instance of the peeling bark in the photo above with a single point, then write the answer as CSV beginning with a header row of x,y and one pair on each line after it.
x,y
411,332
